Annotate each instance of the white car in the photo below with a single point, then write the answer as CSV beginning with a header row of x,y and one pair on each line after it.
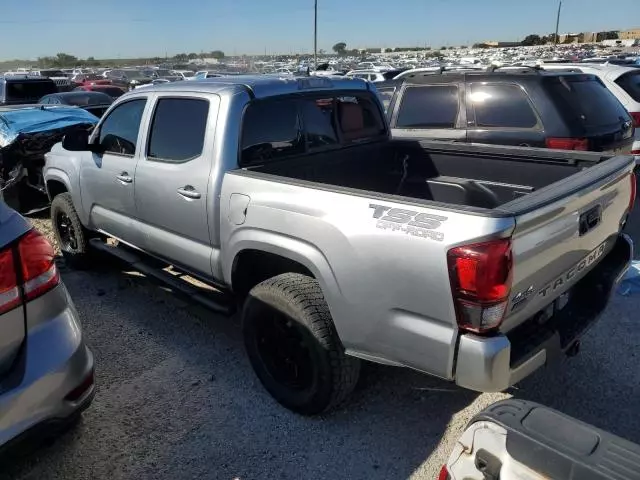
x,y
185,74
155,81
373,66
202,74
622,81
369,75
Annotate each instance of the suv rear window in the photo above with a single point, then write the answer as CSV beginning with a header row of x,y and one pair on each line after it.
x,y
630,83
433,106
31,90
587,99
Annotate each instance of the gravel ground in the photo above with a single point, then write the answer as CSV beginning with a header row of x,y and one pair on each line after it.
x,y
177,399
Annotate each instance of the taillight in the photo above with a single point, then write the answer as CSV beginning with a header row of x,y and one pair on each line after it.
x,y
38,272
9,291
567,143
444,473
480,276
632,199
636,119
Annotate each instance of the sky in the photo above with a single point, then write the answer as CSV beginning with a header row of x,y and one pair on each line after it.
x,y
147,28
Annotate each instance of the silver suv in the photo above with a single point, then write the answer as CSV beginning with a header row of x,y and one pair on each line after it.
x,y
46,370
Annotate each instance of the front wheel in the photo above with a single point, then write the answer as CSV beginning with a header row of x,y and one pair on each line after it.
x,y
72,237
293,345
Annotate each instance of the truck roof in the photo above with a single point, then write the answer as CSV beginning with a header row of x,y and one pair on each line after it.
x,y
261,86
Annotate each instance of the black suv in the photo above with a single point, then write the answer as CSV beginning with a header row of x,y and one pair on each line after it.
x,y
522,106
24,89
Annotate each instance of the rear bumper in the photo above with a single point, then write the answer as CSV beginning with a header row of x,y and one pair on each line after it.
x,y
492,364
54,362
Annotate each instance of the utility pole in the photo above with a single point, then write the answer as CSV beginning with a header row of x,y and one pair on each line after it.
x,y
315,33
558,22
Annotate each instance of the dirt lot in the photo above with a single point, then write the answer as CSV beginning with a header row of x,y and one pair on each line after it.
x,y
177,399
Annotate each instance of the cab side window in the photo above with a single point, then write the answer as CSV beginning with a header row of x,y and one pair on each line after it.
x,y
119,131
178,129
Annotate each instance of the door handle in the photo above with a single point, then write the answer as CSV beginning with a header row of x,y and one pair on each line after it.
x,y
124,177
189,192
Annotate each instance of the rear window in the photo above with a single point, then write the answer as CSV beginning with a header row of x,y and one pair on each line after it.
x,y
433,106
31,91
630,83
271,131
587,100
276,129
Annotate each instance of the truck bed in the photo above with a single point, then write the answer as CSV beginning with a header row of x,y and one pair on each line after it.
x,y
462,175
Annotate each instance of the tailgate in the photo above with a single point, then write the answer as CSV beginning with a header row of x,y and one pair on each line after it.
x,y
562,232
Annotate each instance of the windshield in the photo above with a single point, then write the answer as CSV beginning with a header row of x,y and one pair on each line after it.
x,y
134,73
52,73
113,92
80,99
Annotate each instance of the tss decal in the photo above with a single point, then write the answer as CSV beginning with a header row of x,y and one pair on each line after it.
x,y
407,221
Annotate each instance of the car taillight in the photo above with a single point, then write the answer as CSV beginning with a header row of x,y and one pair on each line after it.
x,y
636,119
34,259
632,198
567,143
480,276
444,473
37,259
9,291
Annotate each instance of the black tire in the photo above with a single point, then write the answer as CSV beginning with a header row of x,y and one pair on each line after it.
x,y
293,345
72,237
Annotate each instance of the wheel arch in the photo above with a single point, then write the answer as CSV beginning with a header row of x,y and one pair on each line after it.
x,y
254,260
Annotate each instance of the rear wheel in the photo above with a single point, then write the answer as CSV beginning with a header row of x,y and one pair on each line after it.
x,y
72,237
293,345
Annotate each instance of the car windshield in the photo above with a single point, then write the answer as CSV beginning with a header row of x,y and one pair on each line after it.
x,y
52,73
81,99
134,73
188,74
113,92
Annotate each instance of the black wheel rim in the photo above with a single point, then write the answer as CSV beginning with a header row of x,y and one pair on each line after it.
x,y
284,351
66,232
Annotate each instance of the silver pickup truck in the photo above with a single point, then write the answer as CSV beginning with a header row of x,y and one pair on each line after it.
x,y
476,264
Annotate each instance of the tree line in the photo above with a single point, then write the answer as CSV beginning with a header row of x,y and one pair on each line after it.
x,y
62,60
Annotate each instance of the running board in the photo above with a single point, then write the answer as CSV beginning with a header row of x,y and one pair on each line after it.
x,y
212,299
